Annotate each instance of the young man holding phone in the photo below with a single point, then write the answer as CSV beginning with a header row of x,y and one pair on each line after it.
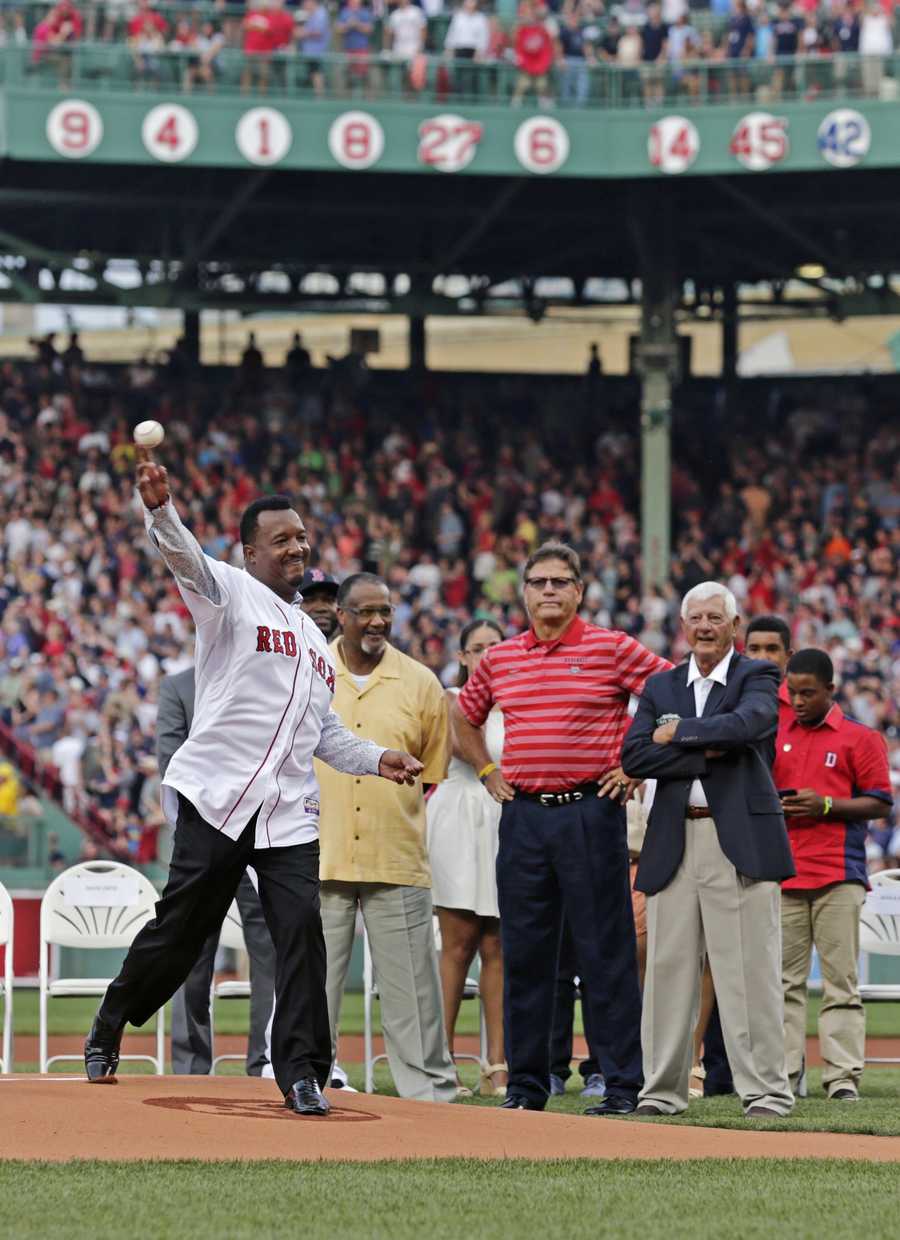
x,y
832,776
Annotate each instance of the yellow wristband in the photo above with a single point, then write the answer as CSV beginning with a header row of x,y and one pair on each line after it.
x,y
486,770
829,801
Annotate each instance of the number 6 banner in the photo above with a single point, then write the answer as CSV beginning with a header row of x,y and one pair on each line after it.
x,y
541,144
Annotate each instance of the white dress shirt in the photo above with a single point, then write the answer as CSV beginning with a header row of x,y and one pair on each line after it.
x,y
702,687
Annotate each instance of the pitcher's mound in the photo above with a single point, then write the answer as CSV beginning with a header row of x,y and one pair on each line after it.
x,y
222,1118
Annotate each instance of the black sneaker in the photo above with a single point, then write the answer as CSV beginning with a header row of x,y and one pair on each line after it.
x,y
305,1098
101,1052
613,1106
518,1102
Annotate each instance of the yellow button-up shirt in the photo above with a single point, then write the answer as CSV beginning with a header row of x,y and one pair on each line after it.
x,y
372,830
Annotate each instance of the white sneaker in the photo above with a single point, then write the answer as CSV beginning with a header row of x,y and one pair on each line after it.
x,y
268,1072
339,1080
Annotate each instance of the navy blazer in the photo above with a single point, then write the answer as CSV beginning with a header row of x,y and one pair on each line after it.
x,y
740,718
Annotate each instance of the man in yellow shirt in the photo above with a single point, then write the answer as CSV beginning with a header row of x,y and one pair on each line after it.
x,y
373,854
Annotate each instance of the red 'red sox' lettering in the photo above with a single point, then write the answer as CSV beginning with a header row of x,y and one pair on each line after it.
x,y
283,641
323,669
275,641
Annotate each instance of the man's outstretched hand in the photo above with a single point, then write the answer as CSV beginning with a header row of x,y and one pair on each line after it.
x,y
152,480
402,768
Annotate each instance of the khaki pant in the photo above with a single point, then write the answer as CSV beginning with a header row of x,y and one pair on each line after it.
x,y
708,908
400,924
827,917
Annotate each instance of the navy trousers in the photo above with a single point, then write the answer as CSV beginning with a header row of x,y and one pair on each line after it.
x,y
715,1059
572,861
564,1014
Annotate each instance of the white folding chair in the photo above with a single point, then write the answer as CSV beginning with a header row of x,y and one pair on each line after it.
x,y
93,905
6,982
370,993
232,936
879,935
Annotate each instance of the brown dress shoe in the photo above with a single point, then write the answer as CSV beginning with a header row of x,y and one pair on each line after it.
x,y
647,1108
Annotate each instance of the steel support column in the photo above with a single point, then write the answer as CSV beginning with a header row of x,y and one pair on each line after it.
x,y
657,365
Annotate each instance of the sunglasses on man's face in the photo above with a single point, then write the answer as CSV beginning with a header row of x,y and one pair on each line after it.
x,y
541,583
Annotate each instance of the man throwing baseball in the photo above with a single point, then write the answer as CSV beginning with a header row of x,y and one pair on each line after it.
x,y
241,789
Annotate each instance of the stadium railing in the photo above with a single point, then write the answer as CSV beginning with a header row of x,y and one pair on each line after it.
x,y
109,66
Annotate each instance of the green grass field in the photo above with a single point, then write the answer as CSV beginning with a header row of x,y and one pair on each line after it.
x,y
450,1199
469,1199
74,1016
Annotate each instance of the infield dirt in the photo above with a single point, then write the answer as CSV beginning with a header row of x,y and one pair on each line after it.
x,y
60,1118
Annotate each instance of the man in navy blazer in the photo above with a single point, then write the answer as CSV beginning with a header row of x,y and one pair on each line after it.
x,y
715,851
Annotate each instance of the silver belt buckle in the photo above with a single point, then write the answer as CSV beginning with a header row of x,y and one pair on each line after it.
x,y
547,798
577,796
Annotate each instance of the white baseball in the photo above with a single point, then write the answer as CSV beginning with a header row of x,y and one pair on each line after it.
x,y
149,434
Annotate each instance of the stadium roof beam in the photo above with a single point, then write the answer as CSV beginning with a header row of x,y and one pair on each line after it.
x,y
809,247
477,230
228,213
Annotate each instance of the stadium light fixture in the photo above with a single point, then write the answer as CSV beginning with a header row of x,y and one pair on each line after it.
x,y
810,271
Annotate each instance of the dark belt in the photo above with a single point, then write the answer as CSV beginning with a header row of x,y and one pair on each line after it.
x,y
697,811
552,799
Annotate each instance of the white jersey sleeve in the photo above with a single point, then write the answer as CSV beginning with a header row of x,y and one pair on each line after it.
x,y
205,583
345,752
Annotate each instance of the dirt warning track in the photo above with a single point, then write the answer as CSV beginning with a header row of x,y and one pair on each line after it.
x,y
60,1118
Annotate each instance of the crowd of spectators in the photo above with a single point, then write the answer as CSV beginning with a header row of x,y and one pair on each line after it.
x,y
736,48
443,484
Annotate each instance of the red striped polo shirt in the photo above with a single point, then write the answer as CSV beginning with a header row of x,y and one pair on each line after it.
x,y
564,702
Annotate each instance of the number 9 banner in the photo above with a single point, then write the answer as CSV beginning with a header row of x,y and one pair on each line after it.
x,y
74,128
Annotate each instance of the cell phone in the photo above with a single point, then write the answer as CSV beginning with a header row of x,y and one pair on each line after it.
x,y
787,792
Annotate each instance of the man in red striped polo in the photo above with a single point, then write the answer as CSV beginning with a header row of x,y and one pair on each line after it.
x,y
563,687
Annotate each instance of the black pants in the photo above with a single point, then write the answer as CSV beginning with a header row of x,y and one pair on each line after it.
x,y
204,873
568,860
191,1029
564,1014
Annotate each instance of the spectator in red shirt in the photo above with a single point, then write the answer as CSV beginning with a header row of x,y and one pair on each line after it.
x,y
147,39
258,46
536,50
63,25
832,775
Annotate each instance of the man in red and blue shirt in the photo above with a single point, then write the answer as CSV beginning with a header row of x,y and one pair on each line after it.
x,y
563,687
833,778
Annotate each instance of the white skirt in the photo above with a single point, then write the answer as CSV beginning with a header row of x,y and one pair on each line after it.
x,y
463,825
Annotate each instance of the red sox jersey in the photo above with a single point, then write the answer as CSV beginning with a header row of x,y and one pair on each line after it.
x,y
842,759
264,684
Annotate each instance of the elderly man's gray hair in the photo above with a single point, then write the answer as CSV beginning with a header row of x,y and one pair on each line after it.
x,y
706,590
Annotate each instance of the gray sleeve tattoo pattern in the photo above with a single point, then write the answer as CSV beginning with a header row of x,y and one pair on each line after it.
x,y
181,552
345,752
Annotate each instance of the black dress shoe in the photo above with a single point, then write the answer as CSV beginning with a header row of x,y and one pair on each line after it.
x,y
518,1102
647,1108
305,1098
612,1106
101,1052
844,1095
762,1113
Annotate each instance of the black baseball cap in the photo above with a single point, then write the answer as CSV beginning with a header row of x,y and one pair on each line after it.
x,y
316,579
